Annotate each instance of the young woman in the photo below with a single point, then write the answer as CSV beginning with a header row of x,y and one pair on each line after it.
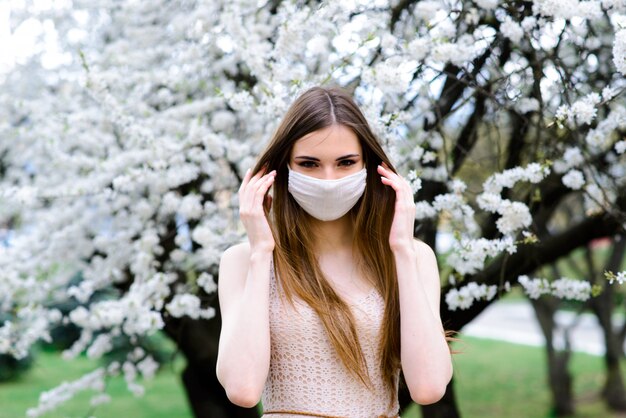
x,y
331,296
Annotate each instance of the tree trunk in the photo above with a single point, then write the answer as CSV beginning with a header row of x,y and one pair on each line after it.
x,y
613,391
559,377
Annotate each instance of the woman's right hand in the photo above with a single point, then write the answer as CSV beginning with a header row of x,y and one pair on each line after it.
x,y
252,198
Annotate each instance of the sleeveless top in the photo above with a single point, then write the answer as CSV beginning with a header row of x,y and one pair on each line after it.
x,y
306,376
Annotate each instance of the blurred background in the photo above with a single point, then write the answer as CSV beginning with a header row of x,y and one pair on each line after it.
x,y
126,127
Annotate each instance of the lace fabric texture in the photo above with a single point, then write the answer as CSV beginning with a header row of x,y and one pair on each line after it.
x,y
306,374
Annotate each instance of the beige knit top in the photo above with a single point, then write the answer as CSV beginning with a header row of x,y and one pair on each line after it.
x,y
306,376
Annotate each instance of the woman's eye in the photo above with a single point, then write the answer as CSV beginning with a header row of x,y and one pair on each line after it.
x,y
346,162
307,164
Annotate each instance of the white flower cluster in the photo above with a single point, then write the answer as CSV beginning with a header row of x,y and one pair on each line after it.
x,y
393,75
563,288
583,111
574,179
469,255
619,51
514,215
572,157
567,9
414,181
487,4
188,305
454,205
601,137
147,143
465,296
512,30
533,173
527,104
137,360
207,282
51,399
30,325
136,313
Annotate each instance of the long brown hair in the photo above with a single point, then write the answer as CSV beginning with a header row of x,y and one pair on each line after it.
x,y
296,266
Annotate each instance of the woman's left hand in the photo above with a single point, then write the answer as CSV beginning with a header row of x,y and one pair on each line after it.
x,y
401,234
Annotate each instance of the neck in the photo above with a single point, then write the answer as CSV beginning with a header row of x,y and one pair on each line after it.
x,y
332,236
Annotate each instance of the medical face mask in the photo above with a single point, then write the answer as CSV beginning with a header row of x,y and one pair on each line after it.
x,y
326,200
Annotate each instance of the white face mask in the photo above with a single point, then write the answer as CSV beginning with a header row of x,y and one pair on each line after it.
x,y
326,200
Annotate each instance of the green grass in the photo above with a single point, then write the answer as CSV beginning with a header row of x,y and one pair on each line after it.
x,y
164,397
503,380
493,380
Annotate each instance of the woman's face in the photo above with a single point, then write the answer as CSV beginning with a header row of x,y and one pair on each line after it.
x,y
329,153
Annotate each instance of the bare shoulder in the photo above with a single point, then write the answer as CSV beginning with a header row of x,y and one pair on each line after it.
x,y
423,250
237,252
234,266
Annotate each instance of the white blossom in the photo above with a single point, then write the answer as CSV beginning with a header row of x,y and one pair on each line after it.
x,y
424,210
487,4
418,48
511,30
528,104
464,297
563,288
574,179
414,181
51,399
188,305
206,281
619,51
572,157
101,345
144,139
148,367
191,207
535,287
514,216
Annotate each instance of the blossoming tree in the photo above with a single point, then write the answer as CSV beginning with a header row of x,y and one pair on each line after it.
x,y
125,138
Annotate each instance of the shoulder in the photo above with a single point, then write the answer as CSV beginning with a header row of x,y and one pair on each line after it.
x,y
234,265
428,272
423,250
427,262
239,251
233,270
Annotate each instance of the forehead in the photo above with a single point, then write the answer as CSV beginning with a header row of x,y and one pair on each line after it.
x,y
332,141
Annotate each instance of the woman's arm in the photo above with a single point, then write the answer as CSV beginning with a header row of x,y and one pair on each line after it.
x,y
243,357
244,347
425,355
424,352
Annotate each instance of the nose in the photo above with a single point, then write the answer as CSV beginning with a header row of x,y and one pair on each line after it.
x,y
331,173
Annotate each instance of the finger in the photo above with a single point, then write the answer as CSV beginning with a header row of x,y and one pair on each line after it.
x,y
384,168
246,179
257,176
401,187
264,186
253,180
259,183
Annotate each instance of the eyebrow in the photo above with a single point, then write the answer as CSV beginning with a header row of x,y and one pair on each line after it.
x,y
305,157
